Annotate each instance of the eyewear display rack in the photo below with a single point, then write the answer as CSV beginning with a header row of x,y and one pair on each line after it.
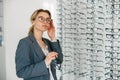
x,y
89,32
1,22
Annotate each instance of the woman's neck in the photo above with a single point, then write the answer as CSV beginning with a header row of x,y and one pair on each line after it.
x,y
38,35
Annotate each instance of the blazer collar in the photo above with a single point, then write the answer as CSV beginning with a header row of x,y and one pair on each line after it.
x,y
32,38
36,46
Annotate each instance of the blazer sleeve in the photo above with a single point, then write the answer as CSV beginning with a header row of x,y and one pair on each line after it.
x,y
24,67
57,48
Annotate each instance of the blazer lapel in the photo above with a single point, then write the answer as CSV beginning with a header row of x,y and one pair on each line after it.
x,y
48,44
36,47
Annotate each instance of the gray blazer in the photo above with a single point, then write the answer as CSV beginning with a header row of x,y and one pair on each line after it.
x,y
29,59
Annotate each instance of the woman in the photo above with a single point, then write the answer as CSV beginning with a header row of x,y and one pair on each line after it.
x,y
37,57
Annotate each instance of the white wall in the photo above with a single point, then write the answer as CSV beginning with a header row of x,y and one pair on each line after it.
x,y
2,64
16,25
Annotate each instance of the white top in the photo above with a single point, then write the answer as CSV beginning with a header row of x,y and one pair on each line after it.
x,y
48,66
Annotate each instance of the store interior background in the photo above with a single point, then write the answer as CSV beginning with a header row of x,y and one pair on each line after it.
x,y
88,30
16,23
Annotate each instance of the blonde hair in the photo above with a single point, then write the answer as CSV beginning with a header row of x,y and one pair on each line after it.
x,y
33,17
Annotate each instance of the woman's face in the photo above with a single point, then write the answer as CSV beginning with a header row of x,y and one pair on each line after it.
x,y
42,22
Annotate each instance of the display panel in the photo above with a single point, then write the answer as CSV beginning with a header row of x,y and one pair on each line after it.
x,y
89,32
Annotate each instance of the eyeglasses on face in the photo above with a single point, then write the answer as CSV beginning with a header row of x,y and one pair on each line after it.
x,y
42,19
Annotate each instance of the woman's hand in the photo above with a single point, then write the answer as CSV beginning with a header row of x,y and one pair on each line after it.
x,y
51,31
50,56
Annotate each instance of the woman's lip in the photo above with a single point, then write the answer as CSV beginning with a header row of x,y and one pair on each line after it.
x,y
45,26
